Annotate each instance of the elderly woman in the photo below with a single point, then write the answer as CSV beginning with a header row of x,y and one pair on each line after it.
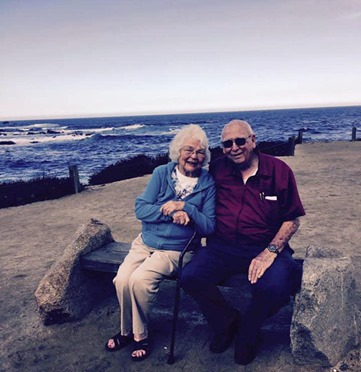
x,y
177,193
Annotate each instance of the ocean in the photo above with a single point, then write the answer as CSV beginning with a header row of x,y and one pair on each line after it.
x,y
37,148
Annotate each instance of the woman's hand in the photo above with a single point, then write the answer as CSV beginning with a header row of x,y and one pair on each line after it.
x,y
181,218
171,206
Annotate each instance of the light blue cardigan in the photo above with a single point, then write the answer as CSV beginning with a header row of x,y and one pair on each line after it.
x,y
159,231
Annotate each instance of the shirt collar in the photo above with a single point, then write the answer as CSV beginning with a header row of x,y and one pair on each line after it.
x,y
263,168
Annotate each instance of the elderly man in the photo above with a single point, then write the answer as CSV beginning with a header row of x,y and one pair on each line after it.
x,y
257,212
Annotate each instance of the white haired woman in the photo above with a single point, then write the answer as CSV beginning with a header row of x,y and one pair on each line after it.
x,y
177,192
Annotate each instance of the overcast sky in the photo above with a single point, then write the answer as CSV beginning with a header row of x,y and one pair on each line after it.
x,y
71,58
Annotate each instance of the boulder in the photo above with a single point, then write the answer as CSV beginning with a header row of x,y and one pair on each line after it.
x,y
67,292
325,322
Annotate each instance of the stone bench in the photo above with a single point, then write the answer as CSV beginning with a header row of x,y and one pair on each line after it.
x,y
108,258
325,319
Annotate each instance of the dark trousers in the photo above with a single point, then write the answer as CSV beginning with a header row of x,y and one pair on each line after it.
x,y
210,265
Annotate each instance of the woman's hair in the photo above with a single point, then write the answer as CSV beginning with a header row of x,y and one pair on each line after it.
x,y
190,131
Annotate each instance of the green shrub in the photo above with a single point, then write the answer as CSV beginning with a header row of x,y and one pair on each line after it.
x,y
124,169
140,165
23,192
275,148
48,188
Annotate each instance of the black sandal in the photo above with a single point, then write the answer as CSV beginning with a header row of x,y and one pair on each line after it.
x,y
138,346
119,342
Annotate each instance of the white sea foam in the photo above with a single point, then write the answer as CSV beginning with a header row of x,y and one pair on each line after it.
x,y
132,127
33,127
170,131
97,130
44,125
45,133
25,140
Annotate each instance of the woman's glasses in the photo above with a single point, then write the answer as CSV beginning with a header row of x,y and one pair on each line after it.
x,y
238,141
190,151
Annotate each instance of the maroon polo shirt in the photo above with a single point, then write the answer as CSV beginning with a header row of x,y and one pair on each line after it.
x,y
251,214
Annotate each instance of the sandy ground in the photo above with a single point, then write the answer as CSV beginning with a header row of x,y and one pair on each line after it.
x,y
33,236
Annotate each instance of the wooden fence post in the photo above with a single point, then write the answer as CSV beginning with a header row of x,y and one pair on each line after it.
x,y
74,175
291,146
300,136
353,136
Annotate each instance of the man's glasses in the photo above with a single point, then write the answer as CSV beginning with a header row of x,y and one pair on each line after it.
x,y
238,141
190,151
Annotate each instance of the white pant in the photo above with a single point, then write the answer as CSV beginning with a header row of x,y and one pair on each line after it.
x,y
137,284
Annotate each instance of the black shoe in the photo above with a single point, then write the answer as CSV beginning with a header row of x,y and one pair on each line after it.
x,y
244,354
222,340
119,342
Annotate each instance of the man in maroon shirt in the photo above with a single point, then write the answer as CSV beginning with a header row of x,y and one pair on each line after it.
x,y
257,213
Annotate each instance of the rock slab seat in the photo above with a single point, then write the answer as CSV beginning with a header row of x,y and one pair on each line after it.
x,y
67,292
326,318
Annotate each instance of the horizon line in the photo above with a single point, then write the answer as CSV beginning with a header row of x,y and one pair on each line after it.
x,y
112,115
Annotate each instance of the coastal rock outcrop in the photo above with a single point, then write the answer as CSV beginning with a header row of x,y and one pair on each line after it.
x,y
7,143
67,292
326,317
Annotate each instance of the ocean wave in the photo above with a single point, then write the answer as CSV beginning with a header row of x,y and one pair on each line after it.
x,y
170,132
97,130
303,129
39,133
32,138
38,127
44,125
126,137
132,127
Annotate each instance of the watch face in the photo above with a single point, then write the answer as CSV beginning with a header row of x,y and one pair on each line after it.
x,y
272,248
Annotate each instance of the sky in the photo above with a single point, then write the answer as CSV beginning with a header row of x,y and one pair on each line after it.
x,y
83,58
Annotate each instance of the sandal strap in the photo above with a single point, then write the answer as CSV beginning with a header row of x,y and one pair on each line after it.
x,y
120,341
141,345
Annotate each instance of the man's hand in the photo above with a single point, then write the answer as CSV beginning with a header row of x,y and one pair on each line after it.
x,y
260,264
181,218
171,206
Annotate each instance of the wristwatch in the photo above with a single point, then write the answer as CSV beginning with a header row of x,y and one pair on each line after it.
x,y
272,248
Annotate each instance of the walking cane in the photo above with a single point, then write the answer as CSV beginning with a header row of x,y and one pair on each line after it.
x,y
177,298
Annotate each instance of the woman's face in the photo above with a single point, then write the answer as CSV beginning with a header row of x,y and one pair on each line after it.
x,y
191,158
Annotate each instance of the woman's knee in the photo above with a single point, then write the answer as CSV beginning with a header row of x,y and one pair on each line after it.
x,y
121,280
140,283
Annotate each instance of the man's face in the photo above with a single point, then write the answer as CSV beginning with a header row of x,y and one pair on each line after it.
x,y
239,154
